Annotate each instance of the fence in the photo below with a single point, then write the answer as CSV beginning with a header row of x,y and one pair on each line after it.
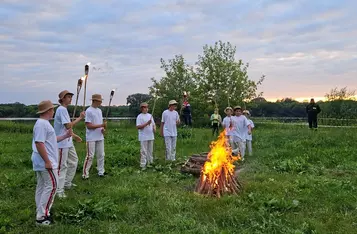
x,y
205,121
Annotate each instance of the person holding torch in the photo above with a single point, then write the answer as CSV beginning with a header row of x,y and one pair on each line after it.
x,y
95,129
68,159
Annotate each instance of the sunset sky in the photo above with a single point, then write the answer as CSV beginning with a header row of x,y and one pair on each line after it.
x,y
305,48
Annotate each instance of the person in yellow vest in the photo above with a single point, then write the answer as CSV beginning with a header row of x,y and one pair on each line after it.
x,y
216,120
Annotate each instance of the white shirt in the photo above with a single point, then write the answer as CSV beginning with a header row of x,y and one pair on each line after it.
x,y
226,123
62,118
94,116
146,133
240,124
44,132
249,137
169,119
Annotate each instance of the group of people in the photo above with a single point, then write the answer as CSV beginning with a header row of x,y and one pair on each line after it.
x,y
238,128
55,159
54,156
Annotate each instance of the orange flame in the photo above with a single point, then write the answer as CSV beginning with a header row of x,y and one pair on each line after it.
x,y
220,160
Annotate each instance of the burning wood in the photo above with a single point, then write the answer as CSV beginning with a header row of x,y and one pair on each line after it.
x,y
217,174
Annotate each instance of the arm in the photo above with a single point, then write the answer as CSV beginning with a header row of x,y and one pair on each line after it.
x,y
141,126
318,109
76,137
41,149
94,126
162,129
249,129
65,136
76,121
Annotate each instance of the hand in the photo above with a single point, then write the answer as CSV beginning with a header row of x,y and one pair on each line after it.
x,y
82,115
103,131
249,132
104,125
148,122
178,122
69,133
161,133
48,165
77,138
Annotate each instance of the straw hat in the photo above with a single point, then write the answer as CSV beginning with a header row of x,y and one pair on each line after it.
x,y
45,106
246,112
62,94
97,97
228,108
144,104
237,107
172,102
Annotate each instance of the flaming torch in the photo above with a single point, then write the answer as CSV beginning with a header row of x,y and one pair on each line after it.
x,y
110,101
79,87
86,70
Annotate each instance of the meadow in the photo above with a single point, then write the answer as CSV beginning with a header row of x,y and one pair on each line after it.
x,y
297,181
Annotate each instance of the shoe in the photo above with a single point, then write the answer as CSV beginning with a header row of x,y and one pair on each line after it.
x,y
143,169
101,175
44,222
61,195
70,187
85,177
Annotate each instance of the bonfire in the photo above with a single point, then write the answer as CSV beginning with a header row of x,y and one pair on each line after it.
x,y
217,175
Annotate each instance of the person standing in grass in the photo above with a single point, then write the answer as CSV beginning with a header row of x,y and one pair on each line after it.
x,y
168,129
146,128
312,110
68,159
249,136
45,161
216,120
241,129
228,125
95,129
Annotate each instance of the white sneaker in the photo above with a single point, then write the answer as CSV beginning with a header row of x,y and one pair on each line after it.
x,y
61,195
71,186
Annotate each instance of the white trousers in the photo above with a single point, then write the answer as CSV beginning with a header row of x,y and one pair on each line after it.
x,y
68,162
240,148
170,143
146,148
249,147
94,148
45,192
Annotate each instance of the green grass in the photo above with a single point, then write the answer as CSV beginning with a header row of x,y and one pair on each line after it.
x,y
298,181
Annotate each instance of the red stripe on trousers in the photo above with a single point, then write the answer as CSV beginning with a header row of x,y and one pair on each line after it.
x,y
60,161
53,180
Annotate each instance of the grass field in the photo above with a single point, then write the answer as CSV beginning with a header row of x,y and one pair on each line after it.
x,y
298,181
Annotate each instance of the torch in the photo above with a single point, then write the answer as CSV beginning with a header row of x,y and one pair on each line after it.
x,y
79,87
110,101
86,70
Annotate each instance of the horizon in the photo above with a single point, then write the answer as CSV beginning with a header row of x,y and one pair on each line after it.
x,y
304,48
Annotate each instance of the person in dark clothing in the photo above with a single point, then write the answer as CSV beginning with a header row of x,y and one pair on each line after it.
x,y
186,113
312,110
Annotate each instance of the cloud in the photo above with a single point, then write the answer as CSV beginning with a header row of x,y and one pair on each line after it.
x,y
304,48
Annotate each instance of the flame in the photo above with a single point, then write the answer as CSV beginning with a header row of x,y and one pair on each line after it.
x,y
220,160
88,63
83,78
113,90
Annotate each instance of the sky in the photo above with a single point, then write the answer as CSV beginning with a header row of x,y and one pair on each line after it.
x,y
304,48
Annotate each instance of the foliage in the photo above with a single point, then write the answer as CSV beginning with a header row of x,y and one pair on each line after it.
x,y
134,101
297,181
342,94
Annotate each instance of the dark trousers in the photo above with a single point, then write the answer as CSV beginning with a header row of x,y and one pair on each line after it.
x,y
312,121
215,128
187,119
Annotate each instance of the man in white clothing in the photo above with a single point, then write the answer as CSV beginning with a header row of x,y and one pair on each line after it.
x,y
168,129
68,159
95,128
146,128
249,136
45,161
241,129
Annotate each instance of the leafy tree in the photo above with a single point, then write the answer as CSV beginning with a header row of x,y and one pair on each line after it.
x,y
134,101
222,80
342,94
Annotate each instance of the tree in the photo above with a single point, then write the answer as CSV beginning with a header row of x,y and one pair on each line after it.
x,y
342,94
178,78
222,80
134,101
